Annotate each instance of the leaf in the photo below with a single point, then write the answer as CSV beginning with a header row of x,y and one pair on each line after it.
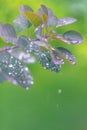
x,y
23,41
39,31
21,23
24,8
34,18
69,37
65,21
65,54
22,56
51,20
45,60
56,58
44,11
2,77
27,45
7,32
73,37
15,70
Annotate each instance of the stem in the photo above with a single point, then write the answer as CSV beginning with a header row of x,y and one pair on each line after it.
x,y
8,48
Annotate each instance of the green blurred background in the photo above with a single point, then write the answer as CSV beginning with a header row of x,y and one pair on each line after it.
x,y
57,101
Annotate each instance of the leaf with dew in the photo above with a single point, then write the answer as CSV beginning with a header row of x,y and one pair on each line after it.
x,y
45,60
73,37
2,77
22,56
66,54
27,45
69,37
65,21
15,70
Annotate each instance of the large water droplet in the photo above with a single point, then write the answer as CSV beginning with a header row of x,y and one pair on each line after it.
x,y
73,37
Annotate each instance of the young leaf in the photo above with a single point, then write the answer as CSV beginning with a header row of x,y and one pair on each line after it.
x,y
50,18
65,21
21,23
13,68
7,32
65,54
24,8
73,37
44,11
34,18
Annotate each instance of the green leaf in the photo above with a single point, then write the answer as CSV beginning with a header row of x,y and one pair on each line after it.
x,y
34,18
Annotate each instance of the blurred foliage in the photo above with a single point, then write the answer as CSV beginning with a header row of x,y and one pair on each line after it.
x,y
43,107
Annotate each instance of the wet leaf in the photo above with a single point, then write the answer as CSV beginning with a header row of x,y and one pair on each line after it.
x,y
45,60
7,32
73,37
21,23
66,54
56,58
2,77
65,21
27,45
15,70
34,18
69,37
22,56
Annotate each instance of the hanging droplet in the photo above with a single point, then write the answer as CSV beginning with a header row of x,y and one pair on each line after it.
x,y
73,37
66,54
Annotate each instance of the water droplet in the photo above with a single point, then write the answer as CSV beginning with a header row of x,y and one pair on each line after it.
x,y
27,88
26,69
10,65
59,91
9,73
